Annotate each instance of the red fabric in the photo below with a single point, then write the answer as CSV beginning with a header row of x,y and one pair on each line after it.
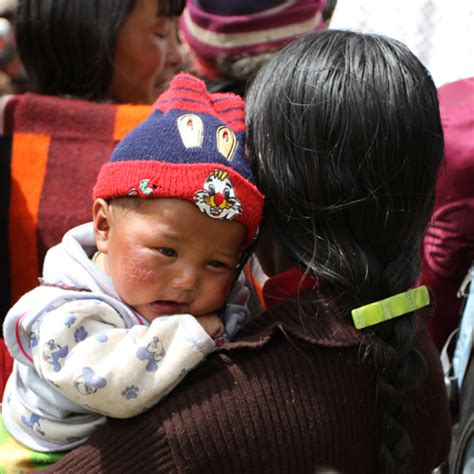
x,y
58,148
227,108
286,285
6,363
214,37
448,248
177,180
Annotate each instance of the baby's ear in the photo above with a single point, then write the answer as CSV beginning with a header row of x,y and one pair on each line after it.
x,y
102,217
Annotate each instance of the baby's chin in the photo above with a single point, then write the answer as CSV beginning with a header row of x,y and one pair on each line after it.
x,y
158,309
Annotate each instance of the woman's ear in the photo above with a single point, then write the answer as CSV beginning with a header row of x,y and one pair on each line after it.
x,y
272,256
102,220
266,250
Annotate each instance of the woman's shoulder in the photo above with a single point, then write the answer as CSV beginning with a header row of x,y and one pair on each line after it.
x,y
309,321
262,402
320,324
257,401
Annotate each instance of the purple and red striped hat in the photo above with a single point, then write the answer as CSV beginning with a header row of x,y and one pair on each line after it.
x,y
191,147
232,38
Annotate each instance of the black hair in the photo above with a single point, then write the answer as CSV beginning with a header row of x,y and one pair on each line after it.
x,y
328,10
346,140
68,46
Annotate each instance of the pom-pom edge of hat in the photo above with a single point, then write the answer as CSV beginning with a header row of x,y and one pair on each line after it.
x,y
191,147
216,41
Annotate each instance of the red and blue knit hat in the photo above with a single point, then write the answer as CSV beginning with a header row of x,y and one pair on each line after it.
x,y
233,38
191,147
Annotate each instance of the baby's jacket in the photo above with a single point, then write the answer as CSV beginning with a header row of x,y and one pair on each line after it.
x,y
81,354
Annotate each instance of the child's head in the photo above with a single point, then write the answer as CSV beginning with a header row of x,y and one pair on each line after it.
x,y
125,51
231,39
347,141
176,208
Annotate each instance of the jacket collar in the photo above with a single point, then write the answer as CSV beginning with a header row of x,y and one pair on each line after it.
x,y
286,286
293,310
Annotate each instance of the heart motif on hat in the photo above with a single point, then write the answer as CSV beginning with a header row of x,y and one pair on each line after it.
x,y
226,142
191,129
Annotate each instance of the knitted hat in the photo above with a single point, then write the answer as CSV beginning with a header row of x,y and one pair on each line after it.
x,y
233,38
191,147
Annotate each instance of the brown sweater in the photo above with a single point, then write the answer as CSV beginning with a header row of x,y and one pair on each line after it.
x,y
286,398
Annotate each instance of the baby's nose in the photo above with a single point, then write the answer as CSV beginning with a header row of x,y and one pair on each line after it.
x,y
186,279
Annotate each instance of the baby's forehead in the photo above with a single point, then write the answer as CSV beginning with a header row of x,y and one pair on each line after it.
x,y
178,218
126,204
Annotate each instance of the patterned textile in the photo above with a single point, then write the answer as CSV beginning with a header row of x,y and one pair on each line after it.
x,y
16,458
232,39
51,150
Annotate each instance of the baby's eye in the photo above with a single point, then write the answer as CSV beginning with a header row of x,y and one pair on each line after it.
x,y
216,264
167,251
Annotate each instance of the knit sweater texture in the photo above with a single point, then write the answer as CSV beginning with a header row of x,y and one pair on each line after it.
x,y
292,395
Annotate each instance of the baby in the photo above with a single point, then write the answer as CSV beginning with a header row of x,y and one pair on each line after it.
x,y
130,302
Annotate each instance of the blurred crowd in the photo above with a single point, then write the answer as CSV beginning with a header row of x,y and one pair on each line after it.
x,y
127,53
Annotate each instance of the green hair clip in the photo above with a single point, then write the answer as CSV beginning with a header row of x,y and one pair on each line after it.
x,y
389,308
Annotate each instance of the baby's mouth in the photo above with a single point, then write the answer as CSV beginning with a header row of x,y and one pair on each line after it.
x,y
165,307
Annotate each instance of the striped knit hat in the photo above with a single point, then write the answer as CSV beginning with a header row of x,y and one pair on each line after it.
x,y
191,147
233,38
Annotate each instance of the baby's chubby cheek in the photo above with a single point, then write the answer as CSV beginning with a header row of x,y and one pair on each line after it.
x,y
225,291
222,292
137,269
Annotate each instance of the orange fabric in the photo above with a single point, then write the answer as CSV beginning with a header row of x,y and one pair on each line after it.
x,y
28,169
128,117
256,284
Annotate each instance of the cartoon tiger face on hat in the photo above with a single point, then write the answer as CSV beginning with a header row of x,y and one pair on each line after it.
x,y
217,198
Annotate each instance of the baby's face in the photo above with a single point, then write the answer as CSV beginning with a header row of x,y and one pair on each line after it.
x,y
166,257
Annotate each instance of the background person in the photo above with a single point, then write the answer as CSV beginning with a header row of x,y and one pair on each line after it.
x,y
228,41
448,247
122,51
